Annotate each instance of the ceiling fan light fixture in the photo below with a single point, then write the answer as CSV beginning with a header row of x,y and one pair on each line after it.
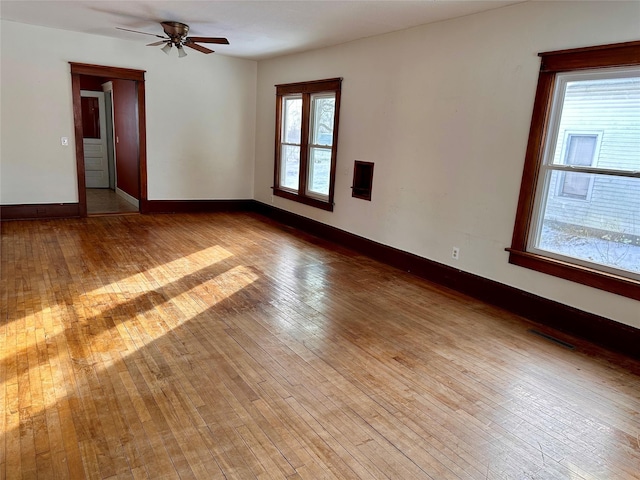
x,y
175,33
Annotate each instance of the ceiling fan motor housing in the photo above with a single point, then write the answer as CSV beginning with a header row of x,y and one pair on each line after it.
x,y
176,31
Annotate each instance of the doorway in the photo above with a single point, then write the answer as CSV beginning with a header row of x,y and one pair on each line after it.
x,y
94,140
110,154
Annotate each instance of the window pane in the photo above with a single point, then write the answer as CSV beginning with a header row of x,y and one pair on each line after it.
x,y
575,185
323,114
290,166
605,230
292,125
319,170
580,150
609,107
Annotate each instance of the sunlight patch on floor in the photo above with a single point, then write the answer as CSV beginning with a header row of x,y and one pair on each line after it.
x,y
135,332
169,272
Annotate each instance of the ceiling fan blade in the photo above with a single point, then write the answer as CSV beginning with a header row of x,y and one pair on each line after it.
x,y
143,33
195,46
219,40
154,44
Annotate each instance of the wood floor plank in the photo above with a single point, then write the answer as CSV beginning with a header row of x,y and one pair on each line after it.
x,y
226,346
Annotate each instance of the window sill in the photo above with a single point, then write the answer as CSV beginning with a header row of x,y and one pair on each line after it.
x,y
313,202
576,273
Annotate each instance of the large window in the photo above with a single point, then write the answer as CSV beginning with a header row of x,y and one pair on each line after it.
x,y
579,210
306,141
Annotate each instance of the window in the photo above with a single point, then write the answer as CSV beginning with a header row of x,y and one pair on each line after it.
x,y
306,141
579,209
580,151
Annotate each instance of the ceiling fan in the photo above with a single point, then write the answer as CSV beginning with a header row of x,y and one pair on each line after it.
x,y
176,35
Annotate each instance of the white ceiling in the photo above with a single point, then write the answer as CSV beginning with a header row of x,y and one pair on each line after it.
x,y
255,29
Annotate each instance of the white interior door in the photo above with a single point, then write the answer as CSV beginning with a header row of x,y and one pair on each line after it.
x,y
94,133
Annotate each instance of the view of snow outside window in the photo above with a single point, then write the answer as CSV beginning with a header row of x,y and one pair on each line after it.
x,y
593,216
291,172
319,170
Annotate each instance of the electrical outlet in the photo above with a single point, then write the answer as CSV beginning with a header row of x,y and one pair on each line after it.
x,y
455,253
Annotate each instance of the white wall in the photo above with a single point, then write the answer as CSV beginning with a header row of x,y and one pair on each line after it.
x,y
444,110
200,116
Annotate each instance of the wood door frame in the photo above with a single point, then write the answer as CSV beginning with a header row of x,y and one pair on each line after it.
x,y
78,69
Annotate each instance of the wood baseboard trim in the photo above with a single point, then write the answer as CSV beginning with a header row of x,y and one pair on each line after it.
x,y
196,206
598,330
124,195
39,211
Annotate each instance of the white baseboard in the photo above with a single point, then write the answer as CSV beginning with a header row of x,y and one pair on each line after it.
x,y
127,197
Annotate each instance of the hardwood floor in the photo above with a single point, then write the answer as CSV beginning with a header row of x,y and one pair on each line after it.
x,y
225,346
104,200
